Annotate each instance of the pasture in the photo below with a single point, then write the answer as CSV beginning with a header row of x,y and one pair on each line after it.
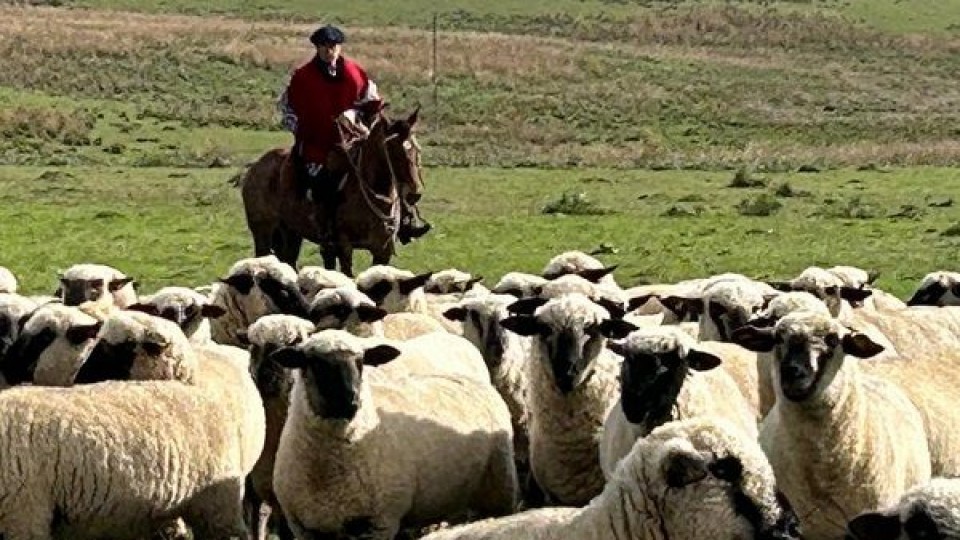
x,y
119,131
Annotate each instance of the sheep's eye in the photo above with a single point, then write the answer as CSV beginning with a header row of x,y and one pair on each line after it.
x,y
832,340
728,469
153,349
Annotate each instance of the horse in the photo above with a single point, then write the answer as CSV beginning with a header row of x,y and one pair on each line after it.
x,y
383,172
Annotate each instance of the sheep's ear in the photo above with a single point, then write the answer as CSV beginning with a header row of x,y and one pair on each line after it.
x,y
872,276
702,360
594,275
242,337
766,321
526,306
875,526
617,348
615,309
638,301
681,305
682,469
408,285
149,309
472,282
854,294
241,282
212,311
119,283
784,286
616,328
753,338
860,345
340,311
955,289
289,357
78,334
379,355
369,314
512,291
525,325
456,314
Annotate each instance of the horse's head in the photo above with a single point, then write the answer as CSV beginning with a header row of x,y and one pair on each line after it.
x,y
403,152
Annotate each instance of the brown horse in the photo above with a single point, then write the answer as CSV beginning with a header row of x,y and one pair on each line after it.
x,y
383,173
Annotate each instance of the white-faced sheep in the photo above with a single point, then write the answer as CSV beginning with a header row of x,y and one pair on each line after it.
x,y
359,457
312,279
8,282
96,283
51,346
939,289
140,452
927,511
188,308
699,479
518,284
253,288
840,441
572,382
274,382
581,264
665,376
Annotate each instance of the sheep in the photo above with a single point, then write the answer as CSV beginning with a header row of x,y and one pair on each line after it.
x,y
13,308
859,278
678,302
188,308
50,347
349,309
666,375
141,452
829,287
96,283
518,284
8,281
581,264
340,470
928,510
571,384
696,479
939,289
255,287
453,282
312,279
393,289
839,440
265,336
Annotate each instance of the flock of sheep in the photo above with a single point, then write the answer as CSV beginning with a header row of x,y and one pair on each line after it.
x,y
551,406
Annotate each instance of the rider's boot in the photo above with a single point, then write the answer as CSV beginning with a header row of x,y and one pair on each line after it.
x,y
411,224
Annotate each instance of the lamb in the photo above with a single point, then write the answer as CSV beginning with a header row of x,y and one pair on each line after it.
x,y
255,287
312,279
50,347
8,281
518,284
571,384
699,479
581,264
928,510
264,337
146,451
338,471
840,441
939,289
667,376
188,308
96,283
393,289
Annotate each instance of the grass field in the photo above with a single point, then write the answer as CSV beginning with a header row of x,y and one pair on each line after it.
x,y
119,129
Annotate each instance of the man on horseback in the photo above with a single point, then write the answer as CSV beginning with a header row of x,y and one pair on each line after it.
x,y
325,101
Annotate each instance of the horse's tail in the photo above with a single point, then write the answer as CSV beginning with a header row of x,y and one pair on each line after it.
x,y
237,179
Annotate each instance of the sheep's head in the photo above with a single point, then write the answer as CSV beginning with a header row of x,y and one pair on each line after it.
x,y
95,283
266,286
344,308
181,305
312,279
785,303
729,304
264,337
581,264
391,288
656,362
704,474
570,332
826,286
808,350
330,366
937,289
481,324
926,511
13,307
139,347
451,281
8,282
518,284
51,342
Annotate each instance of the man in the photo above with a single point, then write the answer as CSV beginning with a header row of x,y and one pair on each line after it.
x,y
324,96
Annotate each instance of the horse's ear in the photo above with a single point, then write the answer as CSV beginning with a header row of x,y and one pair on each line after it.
x,y
412,119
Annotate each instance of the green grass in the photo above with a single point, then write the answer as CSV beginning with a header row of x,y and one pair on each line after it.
x,y
185,226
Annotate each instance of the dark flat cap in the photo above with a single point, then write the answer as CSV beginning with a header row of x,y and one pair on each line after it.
x,y
327,34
